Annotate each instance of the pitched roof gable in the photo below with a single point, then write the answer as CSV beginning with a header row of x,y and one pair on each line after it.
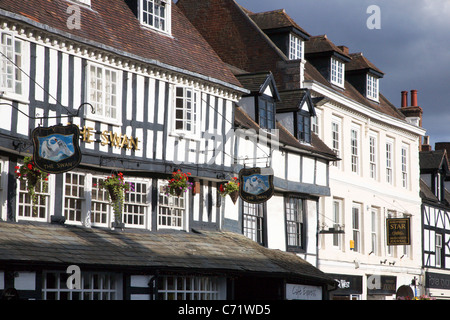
x,y
277,19
111,25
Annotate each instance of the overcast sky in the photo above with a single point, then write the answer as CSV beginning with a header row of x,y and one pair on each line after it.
x,y
412,46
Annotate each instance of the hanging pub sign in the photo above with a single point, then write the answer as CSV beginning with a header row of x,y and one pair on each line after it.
x,y
256,184
398,231
56,148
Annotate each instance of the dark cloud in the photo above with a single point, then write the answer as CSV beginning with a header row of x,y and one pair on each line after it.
x,y
411,48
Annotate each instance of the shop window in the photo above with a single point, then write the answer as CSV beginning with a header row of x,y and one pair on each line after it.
x,y
188,288
93,286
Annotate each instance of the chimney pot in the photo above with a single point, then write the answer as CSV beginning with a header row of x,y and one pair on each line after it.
x,y
414,98
404,99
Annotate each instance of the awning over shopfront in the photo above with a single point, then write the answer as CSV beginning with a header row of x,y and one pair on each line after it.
x,y
42,245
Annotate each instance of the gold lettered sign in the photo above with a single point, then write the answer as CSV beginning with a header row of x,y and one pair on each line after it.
x,y
398,231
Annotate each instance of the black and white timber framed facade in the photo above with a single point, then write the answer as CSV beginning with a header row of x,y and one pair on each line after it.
x,y
149,99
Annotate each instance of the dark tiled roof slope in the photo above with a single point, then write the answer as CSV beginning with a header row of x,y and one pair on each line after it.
x,y
275,20
214,251
113,24
317,146
239,41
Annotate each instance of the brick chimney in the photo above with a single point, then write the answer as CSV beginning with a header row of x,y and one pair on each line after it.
x,y
413,98
425,146
413,113
404,99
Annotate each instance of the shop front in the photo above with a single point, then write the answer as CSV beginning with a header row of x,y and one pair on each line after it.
x,y
349,287
437,285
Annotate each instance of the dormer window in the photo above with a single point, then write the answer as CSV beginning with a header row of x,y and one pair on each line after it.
x,y
372,87
266,110
295,47
304,126
155,14
337,72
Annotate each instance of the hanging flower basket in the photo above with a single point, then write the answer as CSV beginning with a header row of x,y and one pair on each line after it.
x,y
178,184
30,174
230,188
116,187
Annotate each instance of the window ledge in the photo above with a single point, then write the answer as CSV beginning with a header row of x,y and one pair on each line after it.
x,y
91,117
184,135
13,97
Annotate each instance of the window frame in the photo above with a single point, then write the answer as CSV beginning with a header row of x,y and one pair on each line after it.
x,y
303,128
373,156
146,13
405,166
142,205
77,200
16,73
45,201
372,87
297,220
264,102
296,47
356,227
192,287
355,150
336,139
102,117
337,72
389,162
196,104
112,289
183,216
254,223
337,218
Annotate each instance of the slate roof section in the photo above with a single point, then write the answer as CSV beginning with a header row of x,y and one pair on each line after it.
x,y
213,252
317,146
231,31
112,25
359,63
432,160
276,19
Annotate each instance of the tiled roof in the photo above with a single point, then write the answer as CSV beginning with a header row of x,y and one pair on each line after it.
x,y
360,62
211,251
384,106
112,24
321,44
432,160
229,28
317,146
276,19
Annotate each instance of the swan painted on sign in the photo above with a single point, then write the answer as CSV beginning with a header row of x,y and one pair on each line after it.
x,y
56,147
255,184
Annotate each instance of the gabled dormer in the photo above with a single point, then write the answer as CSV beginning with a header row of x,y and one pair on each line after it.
x,y
155,14
329,59
283,31
434,170
364,76
295,111
260,103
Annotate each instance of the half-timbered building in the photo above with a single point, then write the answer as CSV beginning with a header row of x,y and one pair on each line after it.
x,y
150,97
434,174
